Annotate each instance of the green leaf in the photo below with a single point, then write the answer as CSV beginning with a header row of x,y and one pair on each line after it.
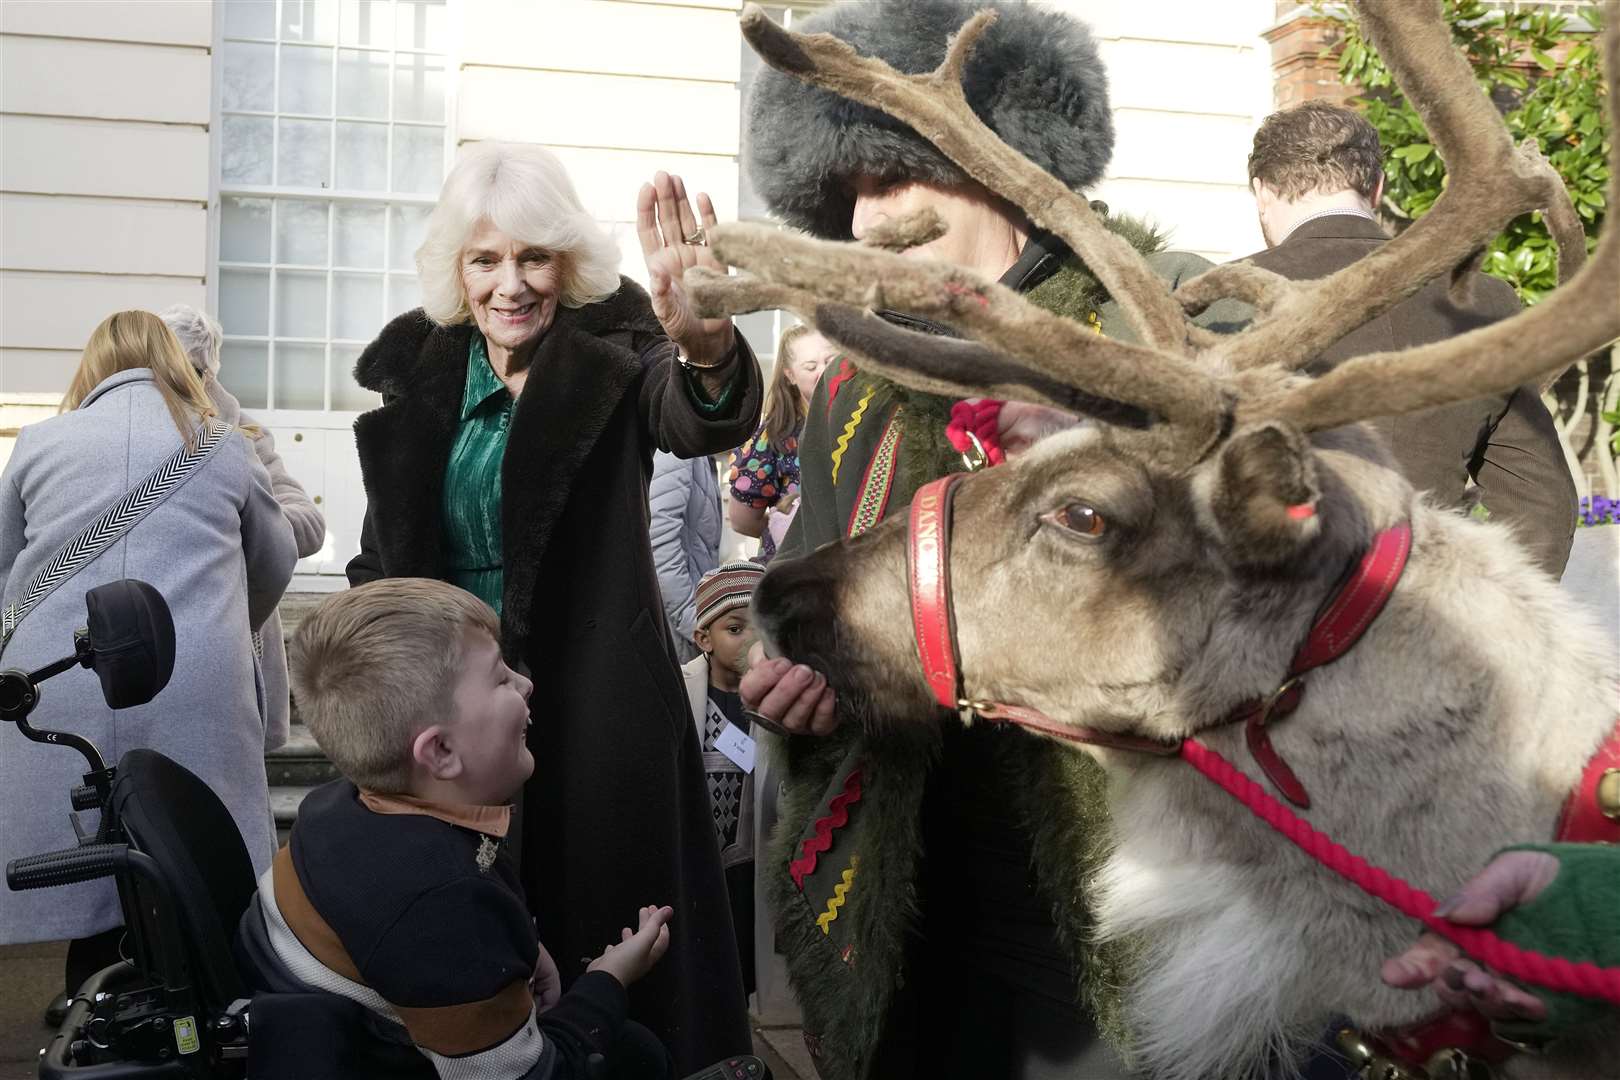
x,y
1543,61
1414,152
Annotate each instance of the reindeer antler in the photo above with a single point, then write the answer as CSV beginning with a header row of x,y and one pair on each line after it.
x,y
1033,353
802,274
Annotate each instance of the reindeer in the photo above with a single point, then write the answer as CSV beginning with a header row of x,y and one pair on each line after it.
x,y
1173,552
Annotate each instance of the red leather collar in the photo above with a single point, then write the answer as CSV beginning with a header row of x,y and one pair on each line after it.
x,y
1345,616
1343,619
928,569
1591,815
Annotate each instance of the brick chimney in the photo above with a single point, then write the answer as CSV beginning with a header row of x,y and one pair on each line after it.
x,y
1301,72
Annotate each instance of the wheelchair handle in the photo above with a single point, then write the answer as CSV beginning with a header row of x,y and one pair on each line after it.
x,y
86,797
55,868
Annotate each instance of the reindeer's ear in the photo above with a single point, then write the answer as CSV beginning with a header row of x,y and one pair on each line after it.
x,y
1264,494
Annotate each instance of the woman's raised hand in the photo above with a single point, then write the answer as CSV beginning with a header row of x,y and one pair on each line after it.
x,y
672,240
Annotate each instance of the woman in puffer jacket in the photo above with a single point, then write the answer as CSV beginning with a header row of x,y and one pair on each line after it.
x,y
200,336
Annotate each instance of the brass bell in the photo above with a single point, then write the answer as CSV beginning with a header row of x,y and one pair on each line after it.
x,y
1453,1064
1608,794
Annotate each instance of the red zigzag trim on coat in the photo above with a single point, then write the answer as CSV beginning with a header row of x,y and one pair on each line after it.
x,y
837,817
846,372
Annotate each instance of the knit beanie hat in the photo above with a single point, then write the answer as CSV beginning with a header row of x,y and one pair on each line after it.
x,y
729,585
1035,78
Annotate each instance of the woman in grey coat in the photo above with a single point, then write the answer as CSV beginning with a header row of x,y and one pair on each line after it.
x,y
200,337
684,502
220,551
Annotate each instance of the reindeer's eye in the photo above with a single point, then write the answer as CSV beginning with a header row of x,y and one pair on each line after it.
x,y
1081,519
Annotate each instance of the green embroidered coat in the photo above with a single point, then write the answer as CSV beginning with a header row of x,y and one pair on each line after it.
x,y
843,865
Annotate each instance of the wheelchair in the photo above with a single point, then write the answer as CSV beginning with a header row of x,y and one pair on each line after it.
x,y
179,1006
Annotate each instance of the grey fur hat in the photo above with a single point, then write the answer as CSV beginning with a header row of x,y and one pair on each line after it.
x,y
1035,78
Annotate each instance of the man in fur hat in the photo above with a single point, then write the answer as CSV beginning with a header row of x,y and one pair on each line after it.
x,y
928,884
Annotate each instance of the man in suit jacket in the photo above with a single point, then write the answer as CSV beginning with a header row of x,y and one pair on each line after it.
x,y
1316,172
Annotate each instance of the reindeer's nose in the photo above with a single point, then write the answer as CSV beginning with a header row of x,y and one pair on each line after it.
x,y
794,607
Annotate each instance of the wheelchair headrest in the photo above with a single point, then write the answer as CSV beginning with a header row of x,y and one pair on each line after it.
x,y
132,634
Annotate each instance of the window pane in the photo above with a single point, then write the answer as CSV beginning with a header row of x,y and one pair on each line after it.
x,y
301,232
419,88
245,149
250,18
244,230
403,294
248,79
362,84
419,24
358,236
244,301
418,159
300,376
308,20
362,163
368,22
346,393
244,370
300,304
304,157
357,311
409,226
306,80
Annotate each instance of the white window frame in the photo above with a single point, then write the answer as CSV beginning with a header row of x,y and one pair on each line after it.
x,y
325,418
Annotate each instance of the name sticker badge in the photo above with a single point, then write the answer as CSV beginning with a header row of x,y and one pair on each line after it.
x,y
737,746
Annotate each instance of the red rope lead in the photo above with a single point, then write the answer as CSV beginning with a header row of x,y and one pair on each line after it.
x,y
1551,972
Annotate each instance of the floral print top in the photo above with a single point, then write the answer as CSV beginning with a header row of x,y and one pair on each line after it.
x,y
761,477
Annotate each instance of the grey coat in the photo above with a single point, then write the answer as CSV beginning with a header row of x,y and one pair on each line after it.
x,y
684,500
219,550
309,533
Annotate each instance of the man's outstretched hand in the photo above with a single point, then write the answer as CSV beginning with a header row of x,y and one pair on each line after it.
x,y
788,696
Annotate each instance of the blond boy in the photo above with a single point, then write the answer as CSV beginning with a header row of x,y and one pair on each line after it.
x,y
397,890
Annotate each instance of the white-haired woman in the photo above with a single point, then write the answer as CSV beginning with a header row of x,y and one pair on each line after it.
x,y
200,336
511,455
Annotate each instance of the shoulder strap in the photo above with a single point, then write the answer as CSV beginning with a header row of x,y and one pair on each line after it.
x,y
115,522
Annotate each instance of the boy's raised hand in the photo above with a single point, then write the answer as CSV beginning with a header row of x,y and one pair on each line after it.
x,y
639,949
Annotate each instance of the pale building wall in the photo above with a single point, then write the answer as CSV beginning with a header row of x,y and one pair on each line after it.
x,y
1190,82
617,90
104,182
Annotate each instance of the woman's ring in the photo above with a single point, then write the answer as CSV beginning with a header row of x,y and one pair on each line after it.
x,y
697,238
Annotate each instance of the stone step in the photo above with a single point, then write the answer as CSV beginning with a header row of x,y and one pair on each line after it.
x,y
300,763
284,801
294,606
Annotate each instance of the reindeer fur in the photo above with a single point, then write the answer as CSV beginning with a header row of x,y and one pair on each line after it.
x,y
1456,726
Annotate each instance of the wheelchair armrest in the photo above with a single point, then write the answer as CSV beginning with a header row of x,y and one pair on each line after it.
x,y
66,867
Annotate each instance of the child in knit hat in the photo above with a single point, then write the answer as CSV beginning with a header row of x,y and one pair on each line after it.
x,y
723,633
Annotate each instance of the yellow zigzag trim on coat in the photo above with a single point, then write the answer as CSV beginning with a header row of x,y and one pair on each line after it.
x,y
841,890
849,430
